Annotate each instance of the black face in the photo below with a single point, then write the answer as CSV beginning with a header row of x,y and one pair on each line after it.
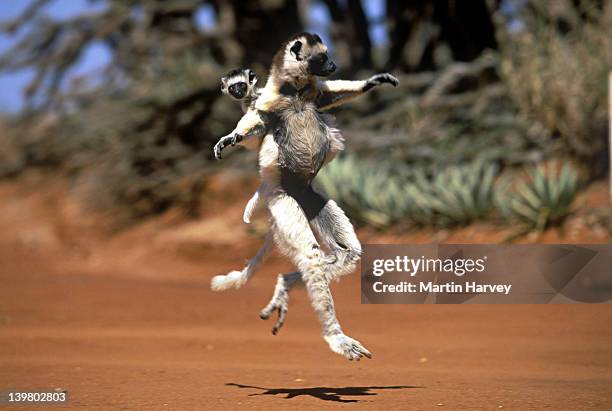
x,y
238,90
321,65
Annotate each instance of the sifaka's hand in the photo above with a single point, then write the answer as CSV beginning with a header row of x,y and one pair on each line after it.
x,y
378,79
229,140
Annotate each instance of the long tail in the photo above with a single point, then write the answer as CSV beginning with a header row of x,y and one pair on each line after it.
x,y
237,279
234,279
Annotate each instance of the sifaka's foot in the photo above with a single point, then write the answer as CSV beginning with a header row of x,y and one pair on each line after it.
x,y
279,303
346,346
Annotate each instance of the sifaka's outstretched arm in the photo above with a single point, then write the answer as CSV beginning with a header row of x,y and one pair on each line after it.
x,y
250,126
337,92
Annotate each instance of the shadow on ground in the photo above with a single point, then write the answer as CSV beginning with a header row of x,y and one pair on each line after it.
x,y
323,393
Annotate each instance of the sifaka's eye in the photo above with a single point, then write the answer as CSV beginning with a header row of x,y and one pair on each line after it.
x,y
321,58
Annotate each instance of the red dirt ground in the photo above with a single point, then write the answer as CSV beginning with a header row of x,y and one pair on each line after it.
x,y
127,321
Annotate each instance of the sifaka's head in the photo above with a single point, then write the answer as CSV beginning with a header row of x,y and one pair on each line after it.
x,y
239,83
303,56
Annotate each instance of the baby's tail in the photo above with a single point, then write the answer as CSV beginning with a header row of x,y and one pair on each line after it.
x,y
250,208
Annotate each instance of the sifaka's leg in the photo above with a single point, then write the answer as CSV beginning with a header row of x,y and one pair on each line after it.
x,y
336,232
293,235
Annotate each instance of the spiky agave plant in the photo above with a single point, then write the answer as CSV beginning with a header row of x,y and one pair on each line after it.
x,y
380,195
543,199
455,195
370,192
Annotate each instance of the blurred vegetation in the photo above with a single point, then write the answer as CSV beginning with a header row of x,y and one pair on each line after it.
x,y
454,195
373,193
380,196
542,199
557,74
478,98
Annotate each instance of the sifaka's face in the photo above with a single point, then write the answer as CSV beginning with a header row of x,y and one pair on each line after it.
x,y
238,83
307,54
238,90
321,65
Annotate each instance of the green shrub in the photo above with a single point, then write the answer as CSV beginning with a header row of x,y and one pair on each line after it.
x,y
456,195
372,193
543,199
380,195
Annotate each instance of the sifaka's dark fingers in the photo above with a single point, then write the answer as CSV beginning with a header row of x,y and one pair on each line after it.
x,y
282,314
221,144
388,78
236,138
218,152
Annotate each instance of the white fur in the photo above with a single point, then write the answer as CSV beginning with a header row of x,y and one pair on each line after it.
x,y
347,346
341,91
234,279
250,208
342,86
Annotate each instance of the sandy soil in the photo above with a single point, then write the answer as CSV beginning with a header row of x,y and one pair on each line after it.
x,y
128,322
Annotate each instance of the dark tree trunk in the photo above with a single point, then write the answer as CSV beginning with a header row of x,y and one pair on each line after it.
x,y
466,27
405,18
350,36
417,27
261,26
362,46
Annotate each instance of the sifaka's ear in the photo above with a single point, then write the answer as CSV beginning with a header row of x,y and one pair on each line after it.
x,y
295,49
252,77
